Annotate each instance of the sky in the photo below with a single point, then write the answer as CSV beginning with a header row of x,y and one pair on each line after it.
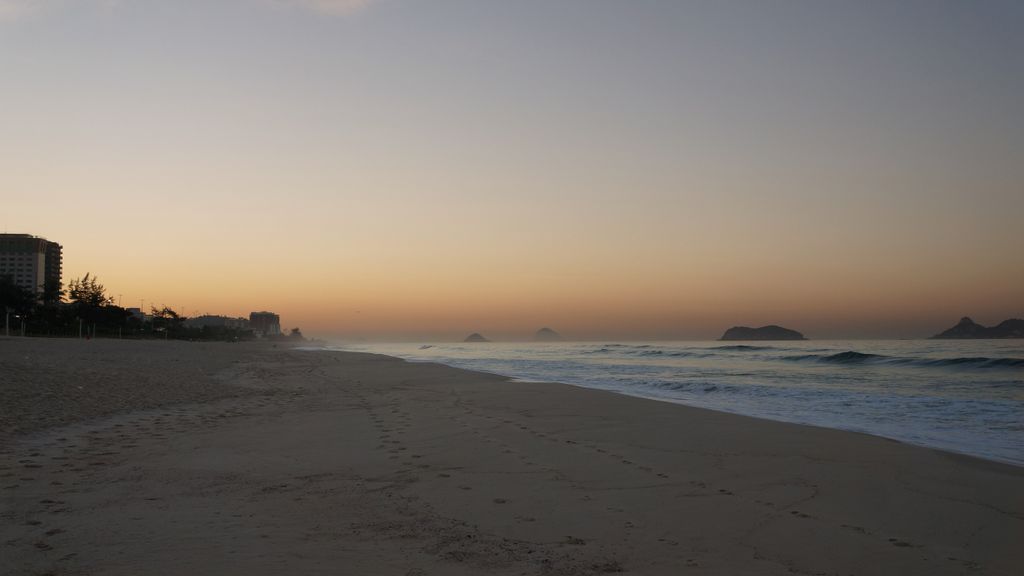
x,y
423,169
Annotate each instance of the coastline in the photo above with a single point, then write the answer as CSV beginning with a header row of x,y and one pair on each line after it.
x,y
960,398
260,459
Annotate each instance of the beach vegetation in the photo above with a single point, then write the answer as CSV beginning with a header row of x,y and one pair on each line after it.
x,y
88,292
165,320
85,310
53,292
14,298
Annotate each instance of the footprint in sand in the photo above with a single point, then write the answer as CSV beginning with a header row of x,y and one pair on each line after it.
x,y
858,529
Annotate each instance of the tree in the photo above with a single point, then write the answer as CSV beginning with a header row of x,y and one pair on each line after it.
x,y
90,304
88,292
165,319
53,292
14,298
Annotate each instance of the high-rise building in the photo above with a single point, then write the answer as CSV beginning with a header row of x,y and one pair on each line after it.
x,y
30,262
265,323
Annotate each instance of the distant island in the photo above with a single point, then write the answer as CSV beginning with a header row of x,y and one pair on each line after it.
x,y
476,337
547,335
763,333
969,329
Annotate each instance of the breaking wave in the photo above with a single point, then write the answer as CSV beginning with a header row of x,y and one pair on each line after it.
x,y
852,357
743,348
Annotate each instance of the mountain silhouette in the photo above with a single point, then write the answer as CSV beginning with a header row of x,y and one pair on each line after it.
x,y
968,329
547,335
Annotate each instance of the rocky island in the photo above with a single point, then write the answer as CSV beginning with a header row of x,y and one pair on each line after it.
x,y
968,329
476,337
763,333
547,335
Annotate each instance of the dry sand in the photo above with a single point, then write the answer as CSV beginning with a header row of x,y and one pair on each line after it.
x,y
176,458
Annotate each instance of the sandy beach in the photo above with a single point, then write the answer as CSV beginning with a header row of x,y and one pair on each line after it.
x,y
123,457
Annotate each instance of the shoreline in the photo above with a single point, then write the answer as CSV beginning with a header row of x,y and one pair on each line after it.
x,y
259,346
908,443
905,437
369,463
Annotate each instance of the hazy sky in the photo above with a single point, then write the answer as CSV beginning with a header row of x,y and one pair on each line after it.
x,y
613,169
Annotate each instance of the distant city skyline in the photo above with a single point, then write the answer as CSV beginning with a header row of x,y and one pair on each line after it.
x,y
629,170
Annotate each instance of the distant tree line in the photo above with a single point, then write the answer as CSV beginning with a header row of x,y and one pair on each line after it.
x,y
85,310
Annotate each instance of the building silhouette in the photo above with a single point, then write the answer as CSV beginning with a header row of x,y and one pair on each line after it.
x,y
31,262
265,323
212,321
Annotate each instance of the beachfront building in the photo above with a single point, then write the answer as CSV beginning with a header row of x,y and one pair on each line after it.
x,y
31,262
212,321
265,323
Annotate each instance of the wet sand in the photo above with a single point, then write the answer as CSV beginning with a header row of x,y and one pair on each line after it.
x,y
121,457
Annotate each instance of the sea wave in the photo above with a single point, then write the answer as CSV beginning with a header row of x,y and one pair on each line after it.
x,y
978,361
743,348
643,351
853,357
966,396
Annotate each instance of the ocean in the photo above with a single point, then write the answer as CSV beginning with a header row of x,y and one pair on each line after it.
x,y
963,396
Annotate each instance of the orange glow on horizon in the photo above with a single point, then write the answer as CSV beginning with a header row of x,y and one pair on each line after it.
x,y
414,170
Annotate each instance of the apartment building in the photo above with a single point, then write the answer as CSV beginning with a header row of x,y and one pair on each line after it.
x,y
30,262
